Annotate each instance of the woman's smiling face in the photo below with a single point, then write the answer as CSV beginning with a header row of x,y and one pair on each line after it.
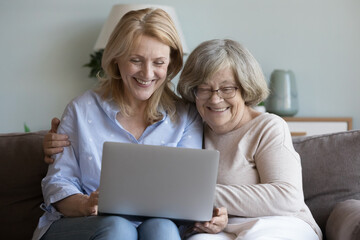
x,y
145,69
222,115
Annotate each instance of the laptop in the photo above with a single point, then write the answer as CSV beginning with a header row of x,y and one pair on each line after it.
x,y
142,181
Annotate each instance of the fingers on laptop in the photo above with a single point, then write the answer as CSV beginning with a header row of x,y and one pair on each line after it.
x,y
93,203
216,224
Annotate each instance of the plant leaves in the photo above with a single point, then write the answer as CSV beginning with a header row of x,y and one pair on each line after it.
x,y
95,63
26,128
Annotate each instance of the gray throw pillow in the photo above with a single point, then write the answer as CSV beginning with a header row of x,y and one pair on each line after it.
x,y
344,221
331,170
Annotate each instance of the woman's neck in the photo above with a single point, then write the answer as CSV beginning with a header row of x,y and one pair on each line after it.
x,y
135,124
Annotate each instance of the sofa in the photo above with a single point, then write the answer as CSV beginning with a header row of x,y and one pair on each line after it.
x,y
331,181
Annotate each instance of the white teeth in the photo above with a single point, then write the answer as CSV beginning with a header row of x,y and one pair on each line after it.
x,y
143,82
218,109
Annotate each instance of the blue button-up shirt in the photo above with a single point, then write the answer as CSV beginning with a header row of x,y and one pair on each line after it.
x,y
89,121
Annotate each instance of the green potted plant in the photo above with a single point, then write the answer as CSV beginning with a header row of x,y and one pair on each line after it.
x,y
95,63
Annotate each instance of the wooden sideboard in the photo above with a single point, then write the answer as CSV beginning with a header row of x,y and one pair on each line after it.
x,y
307,126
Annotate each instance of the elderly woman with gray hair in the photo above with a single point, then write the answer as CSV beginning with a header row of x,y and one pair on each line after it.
x,y
259,179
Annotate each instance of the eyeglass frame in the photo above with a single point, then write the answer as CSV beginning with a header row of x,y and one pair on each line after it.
x,y
218,92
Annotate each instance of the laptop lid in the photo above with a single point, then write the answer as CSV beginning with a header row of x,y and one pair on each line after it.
x,y
158,181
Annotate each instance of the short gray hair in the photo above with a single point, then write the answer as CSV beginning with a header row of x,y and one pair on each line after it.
x,y
214,55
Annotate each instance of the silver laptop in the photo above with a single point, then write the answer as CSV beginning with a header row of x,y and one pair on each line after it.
x,y
158,181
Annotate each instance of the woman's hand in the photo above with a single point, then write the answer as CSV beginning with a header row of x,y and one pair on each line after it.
x,y
218,222
54,143
92,204
79,205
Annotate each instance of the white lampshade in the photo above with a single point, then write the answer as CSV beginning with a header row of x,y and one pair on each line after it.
x,y
119,10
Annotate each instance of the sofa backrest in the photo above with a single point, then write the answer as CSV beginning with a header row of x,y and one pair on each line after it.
x,y
21,171
330,163
331,170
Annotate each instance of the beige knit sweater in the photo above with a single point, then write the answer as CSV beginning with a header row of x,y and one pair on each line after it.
x,y
259,171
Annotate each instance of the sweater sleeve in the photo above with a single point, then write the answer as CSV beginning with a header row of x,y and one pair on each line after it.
x,y
278,190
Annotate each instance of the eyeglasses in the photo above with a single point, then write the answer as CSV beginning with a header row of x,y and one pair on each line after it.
x,y
206,93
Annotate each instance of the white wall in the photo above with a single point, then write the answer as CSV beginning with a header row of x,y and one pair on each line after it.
x,y
44,44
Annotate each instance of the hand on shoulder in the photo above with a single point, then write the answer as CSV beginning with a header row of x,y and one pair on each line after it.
x,y
54,143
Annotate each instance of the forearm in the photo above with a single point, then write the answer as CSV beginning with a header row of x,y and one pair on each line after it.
x,y
258,199
73,206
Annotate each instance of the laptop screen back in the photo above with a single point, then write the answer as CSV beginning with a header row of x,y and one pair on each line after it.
x,y
158,181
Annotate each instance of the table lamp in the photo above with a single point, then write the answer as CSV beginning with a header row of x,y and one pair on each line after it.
x,y
120,10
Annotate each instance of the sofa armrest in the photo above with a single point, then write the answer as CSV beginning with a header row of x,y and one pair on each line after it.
x,y
344,221
22,169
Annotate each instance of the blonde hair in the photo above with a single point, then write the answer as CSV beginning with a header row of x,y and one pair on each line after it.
x,y
214,55
125,37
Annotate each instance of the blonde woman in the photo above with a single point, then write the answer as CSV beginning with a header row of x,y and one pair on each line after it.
x,y
134,103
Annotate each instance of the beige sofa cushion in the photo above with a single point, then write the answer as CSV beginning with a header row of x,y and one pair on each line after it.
x,y
21,171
